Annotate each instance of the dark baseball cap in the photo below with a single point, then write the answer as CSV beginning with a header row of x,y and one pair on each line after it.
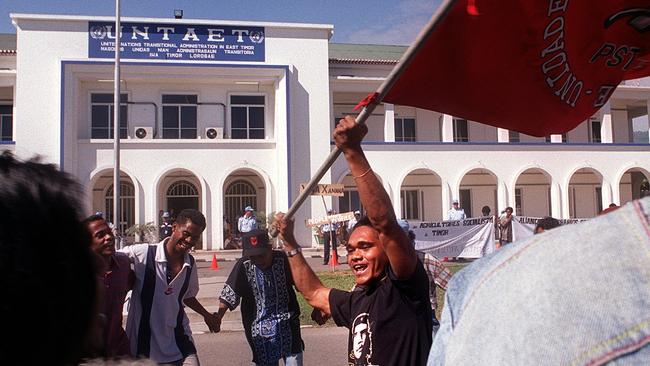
x,y
255,242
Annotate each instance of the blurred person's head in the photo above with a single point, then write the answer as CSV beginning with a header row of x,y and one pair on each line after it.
x,y
47,272
546,223
486,210
508,211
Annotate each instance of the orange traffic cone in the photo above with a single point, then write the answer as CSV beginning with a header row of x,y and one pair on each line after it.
x,y
334,258
214,264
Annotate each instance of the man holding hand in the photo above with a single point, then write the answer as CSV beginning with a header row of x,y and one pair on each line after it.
x,y
388,314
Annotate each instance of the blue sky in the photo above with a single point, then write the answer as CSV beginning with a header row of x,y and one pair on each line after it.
x,y
355,21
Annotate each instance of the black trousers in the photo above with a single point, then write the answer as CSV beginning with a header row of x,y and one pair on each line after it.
x,y
330,243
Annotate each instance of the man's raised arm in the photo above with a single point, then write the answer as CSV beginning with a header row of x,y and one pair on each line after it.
x,y
375,200
304,277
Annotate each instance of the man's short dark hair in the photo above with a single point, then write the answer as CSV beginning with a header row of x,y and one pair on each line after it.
x,y
363,221
547,223
47,273
485,210
193,215
92,218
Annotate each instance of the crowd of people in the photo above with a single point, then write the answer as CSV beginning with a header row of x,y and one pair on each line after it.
x,y
527,303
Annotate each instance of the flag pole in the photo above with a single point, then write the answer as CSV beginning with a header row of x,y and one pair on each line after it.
x,y
116,120
367,110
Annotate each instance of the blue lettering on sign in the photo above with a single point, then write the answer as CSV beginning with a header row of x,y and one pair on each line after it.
x,y
177,42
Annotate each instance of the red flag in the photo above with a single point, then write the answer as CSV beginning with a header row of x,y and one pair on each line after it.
x,y
534,66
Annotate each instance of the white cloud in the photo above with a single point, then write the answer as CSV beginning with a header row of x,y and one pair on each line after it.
x,y
400,26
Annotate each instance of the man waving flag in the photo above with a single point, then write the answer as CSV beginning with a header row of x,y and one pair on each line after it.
x,y
535,66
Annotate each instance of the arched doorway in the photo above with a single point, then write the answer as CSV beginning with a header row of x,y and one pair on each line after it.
x,y
180,195
127,205
238,195
243,187
478,188
634,184
421,196
585,193
102,198
533,193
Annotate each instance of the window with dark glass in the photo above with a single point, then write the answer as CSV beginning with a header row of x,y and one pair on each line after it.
x,y
461,132
410,204
179,116
404,129
350,201
513,136
101,120
6,123
594,130
247,116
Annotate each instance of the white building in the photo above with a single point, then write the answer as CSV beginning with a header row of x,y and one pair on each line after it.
x,y
218,115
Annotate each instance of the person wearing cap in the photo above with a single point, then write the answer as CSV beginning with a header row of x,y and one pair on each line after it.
x,y
353,221
329,238
388,315
455,212
166,227
247,222
261,280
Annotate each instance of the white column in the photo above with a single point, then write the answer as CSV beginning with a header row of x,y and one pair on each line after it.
x,y
648,110
556,200
606,133
389,122
396,198
447,194
564,198
447,128
502,196
503,135
556,139
606,194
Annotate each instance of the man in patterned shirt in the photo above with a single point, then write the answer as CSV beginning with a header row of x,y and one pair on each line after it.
x,y
262,280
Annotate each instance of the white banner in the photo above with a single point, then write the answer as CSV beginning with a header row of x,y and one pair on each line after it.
x,y
334,219
524,226
469,238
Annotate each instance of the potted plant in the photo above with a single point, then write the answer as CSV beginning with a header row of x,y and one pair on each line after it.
x,y
143,233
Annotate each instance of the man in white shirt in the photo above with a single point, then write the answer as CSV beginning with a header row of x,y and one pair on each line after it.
x,y
247,222
166,278
455,213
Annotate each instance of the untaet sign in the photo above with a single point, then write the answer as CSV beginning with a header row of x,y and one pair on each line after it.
x,y
177,42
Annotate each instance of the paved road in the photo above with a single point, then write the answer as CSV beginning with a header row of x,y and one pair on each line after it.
x,y
323,346
211,282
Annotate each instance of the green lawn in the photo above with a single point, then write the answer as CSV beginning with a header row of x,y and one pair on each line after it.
x,y
345,280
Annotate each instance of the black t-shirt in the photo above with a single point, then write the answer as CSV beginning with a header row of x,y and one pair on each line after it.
x,y
269,309
390,322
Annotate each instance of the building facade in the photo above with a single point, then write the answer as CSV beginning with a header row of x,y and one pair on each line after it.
x,y
219,115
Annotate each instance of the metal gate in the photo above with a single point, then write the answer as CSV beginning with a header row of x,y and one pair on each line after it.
x,y
239,194
127,206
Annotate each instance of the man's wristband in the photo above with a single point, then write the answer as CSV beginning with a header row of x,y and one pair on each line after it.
x,y
293,252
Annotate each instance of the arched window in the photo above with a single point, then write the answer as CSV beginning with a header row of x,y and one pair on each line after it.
x,y
127,205
182,194
239,194
182,188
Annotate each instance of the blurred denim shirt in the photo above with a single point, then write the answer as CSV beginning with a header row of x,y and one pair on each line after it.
x,y
575,295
